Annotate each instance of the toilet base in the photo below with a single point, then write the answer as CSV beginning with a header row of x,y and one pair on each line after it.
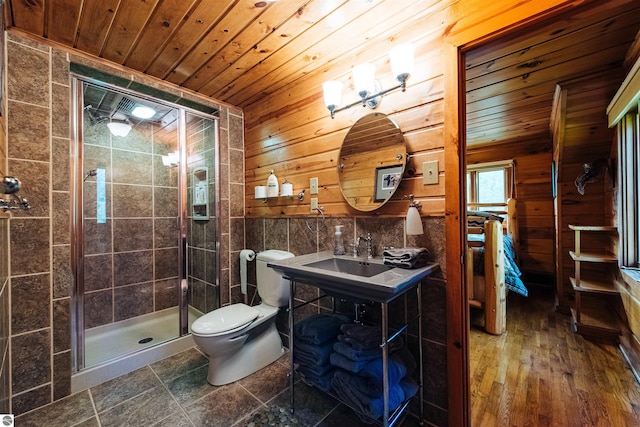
x,y
259,351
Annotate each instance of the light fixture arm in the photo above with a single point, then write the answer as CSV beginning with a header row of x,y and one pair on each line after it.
x,y
363,101
413,203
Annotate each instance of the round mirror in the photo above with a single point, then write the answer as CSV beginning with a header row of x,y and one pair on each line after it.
x,y
371,162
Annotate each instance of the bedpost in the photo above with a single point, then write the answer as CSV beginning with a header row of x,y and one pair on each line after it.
x,y
513,229
495,289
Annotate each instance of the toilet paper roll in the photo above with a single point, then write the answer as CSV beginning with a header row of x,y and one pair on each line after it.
x,y
245,255
260,192
286,189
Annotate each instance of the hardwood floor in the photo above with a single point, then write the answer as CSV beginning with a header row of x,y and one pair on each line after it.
x,y
540,373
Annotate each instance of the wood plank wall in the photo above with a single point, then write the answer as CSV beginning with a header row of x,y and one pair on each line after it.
x,y
586,138
294,135
532,164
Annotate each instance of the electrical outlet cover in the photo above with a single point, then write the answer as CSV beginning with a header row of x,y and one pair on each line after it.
x,y
314,204
430,172
313,185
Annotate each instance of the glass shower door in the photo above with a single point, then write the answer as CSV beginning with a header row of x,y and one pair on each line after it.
x,y
202,205
130,227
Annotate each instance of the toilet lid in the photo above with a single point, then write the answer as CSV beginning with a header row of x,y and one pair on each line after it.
x,y
231,317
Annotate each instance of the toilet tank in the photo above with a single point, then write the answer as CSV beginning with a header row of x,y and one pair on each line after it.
x,y
272,287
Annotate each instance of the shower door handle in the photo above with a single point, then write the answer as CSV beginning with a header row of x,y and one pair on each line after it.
x,y
183,248
184,287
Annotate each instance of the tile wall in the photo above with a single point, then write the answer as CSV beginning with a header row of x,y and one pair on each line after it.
x,y
5,313
201,152
38,153
299,236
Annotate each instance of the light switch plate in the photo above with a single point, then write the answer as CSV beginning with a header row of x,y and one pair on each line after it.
x,y
430,172
314,204
313,185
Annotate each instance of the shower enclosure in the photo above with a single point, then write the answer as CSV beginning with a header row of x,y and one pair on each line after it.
x,y
145,235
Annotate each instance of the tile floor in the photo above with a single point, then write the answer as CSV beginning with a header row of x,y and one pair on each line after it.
x,y
174,392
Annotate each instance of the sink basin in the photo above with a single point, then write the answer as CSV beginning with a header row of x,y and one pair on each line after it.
x,y
350,266
357,278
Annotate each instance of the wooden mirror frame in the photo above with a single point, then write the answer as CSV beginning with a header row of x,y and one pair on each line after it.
x,y
371,162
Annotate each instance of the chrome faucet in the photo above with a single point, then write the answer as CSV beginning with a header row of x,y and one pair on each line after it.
x,y
11,186
369,241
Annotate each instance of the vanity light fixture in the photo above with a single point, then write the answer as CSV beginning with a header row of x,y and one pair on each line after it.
x,y
365,83
414,222
143,112
119,128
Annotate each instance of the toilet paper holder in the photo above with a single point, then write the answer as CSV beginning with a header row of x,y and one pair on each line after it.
x,y
246,255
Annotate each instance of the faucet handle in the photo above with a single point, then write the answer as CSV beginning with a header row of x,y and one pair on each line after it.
x,y
354,248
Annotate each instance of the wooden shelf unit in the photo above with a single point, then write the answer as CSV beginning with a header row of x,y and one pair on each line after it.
x,y
591,315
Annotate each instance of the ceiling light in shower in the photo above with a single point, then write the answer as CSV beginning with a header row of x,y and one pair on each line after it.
x,y
143,112
171,159
119,128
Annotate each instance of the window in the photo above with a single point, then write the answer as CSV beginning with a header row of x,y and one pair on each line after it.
x,y
629,188
489,185
623,113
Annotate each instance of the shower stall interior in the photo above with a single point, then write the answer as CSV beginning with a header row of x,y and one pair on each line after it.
x,y
145,234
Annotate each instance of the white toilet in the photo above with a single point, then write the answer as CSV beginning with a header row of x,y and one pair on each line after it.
x,y
240,339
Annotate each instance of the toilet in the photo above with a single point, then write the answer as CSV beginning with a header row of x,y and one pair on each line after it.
x,y
238,339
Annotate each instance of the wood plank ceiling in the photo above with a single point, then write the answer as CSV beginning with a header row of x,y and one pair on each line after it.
x,y
241,51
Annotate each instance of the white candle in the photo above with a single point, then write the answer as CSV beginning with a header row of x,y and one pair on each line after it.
x,y
260,192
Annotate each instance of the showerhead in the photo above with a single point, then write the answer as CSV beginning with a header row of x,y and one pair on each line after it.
x,y
92,172
10,185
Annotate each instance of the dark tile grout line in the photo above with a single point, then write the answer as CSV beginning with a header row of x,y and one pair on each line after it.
x,y
327,416
172,396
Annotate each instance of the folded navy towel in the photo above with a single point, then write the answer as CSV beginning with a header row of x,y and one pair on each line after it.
x,y
310,366
356,355
358,346
375,408
361,337
409,387
344,362
319,328
320,353
355,392
406,257
322,382
397,369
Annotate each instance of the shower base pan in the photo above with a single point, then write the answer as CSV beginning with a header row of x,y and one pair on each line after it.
x,y
121,347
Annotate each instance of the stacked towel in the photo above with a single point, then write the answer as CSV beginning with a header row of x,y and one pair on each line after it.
x,y
406,257
358,378
313,345
319,328
354,392
364,337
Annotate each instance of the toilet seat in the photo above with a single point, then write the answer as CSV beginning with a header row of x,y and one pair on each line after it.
x,y
224,320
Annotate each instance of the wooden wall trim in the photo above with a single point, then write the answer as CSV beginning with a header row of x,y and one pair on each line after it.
x,y
627,97
457,310
559,118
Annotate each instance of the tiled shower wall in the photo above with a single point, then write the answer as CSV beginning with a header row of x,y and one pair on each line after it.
x,y
5,313
38,153
201,152
308,235
5,318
